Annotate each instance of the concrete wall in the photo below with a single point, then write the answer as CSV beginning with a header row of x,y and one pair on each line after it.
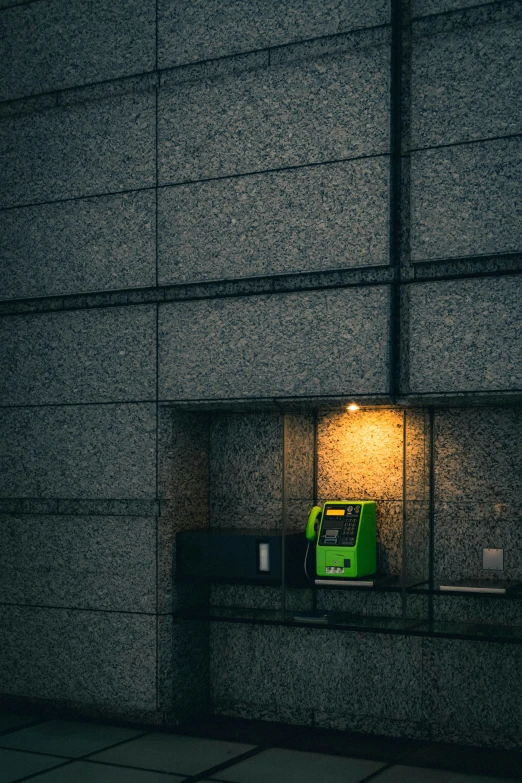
x,y
211,201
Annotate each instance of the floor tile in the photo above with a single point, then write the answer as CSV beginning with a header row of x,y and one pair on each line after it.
x,y
15,765
173,753
85,772
295,766
66,738
403,774
12,720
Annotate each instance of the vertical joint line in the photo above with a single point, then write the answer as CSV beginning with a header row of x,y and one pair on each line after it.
x,y
156,57
156,136
404,549
158,673
315,481
395,192
315,491
431,545
284,520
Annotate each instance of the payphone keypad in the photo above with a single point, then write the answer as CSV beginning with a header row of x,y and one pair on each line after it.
x,y
341,528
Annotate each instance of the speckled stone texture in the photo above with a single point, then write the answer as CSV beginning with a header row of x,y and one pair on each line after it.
x,y
99,355
462,530
184,491
191,31
282,670
465,84
99,244
464,335
104,658
472,691
184,442
426,7
81,149
50,45
89,451
324,217
478,456
489,610
360,454
299,469
290,344
466,200
79,562
246,471
306,112
416,492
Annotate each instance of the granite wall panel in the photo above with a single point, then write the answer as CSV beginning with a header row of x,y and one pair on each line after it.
x,y
246,470
85,451
101,355
464,335
251,667
466,200
299,469
332,342
324,217
96,244
184,440
80,149
79,562
478,456
50,45
322,109
102,658
191,31
472,691
465,84
360,454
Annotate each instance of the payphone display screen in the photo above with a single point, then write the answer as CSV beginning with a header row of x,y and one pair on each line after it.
x,y
340,525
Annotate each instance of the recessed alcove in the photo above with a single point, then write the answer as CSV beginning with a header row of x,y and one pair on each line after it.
x,y
262,468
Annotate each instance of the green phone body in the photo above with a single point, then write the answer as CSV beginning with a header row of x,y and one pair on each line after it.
x,y
346,538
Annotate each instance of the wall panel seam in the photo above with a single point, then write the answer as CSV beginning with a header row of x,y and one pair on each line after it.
x,y
200,63
10,308
469,142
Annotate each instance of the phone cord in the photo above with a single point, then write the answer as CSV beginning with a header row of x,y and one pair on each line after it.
x,y
305,561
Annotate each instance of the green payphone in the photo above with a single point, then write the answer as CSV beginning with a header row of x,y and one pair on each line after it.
x,y
344,531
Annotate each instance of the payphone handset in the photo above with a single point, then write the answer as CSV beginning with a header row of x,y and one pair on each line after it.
x,y
345,535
